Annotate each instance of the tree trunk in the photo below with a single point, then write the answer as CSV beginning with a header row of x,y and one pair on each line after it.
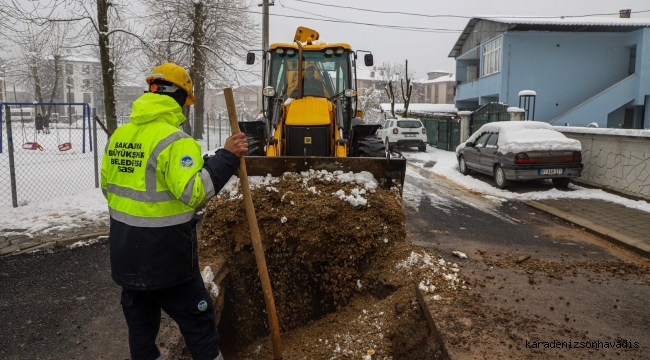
x,y
197,72
406,93
187,127
108,69
37,87
391,97
57,73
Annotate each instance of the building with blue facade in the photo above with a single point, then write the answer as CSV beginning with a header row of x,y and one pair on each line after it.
x,y
583,70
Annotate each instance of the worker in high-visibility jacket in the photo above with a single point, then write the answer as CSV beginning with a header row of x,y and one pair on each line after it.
x,y
155,178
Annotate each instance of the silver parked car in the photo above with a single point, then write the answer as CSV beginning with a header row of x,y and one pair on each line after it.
x,y
521,150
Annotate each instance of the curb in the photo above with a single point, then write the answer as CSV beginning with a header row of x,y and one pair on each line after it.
x,y
58,243
636,245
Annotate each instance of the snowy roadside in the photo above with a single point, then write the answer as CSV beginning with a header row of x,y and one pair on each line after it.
x,y
446,165
61,214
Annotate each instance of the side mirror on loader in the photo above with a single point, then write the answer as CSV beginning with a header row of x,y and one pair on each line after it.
x,y
368,60
250,58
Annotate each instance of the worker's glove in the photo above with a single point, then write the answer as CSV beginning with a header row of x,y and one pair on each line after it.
x,y
221,167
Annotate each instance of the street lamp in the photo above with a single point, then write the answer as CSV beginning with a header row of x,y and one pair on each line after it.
x,y
69,105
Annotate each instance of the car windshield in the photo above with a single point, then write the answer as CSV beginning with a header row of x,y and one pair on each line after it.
x,y
324,75
409,124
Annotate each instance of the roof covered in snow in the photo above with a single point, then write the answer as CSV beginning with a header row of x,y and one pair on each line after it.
x,y
441,79
558,24
522,136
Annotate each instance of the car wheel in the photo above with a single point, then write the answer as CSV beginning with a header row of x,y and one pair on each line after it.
x,y
422,148
462,166
500,177
389,148
562,183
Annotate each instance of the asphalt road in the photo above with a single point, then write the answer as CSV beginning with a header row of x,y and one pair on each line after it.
x,y
61,305
578,285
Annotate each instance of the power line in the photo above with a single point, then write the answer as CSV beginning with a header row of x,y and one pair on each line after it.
x,y
450,16
395,27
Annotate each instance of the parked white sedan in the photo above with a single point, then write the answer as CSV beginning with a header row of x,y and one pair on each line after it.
x,y
404,133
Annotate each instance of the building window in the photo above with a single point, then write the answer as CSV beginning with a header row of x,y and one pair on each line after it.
x,y
70,82
492,57
85,84
88,98
632,67
69,69
85,69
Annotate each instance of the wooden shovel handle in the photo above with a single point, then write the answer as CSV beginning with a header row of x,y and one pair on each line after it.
x,y
255,234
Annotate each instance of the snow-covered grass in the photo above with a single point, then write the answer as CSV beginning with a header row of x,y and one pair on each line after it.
x,y
447,166
55,215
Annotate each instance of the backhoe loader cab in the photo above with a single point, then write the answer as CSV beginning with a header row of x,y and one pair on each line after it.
x,y
310,106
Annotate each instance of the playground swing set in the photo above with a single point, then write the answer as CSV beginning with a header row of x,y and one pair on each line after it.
x,y
34,145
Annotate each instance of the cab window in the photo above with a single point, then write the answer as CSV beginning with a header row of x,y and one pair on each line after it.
x,y
480,142
492,142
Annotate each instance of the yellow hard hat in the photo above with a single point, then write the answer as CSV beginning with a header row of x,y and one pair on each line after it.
x,y
176,75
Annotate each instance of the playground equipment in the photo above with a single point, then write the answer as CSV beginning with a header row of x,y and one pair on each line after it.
x,y
5,118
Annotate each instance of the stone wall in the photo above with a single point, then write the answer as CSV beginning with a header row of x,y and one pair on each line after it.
x,y
615,159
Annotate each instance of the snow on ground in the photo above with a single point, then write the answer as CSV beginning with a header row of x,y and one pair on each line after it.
x,y
447,166
58,214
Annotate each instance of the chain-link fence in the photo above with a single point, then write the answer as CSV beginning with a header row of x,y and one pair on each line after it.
x,y
42,159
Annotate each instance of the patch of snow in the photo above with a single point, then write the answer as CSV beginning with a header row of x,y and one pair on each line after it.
x,y
513,109
603,131
208,280
283,219
527,93
461,255
83,243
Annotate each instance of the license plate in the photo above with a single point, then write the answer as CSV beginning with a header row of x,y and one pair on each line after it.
x,y
409,135
551,171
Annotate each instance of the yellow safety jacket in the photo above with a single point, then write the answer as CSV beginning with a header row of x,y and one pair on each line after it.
x,y
154,178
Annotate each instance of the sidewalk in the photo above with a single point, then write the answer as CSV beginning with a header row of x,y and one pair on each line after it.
x,y
622,225
21,241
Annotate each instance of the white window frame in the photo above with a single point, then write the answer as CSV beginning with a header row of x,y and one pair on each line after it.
x,y
491,57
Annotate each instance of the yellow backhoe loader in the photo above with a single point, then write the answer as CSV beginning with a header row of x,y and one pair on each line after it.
x,y
310,117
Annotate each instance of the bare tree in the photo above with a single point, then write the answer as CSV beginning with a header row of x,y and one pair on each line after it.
x,y
406,92
36,64
208,37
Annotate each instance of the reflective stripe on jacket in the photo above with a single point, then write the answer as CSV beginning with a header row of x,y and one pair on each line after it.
x,y
152,172
154,178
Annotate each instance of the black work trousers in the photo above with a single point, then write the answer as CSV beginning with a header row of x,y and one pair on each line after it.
x,y
188,304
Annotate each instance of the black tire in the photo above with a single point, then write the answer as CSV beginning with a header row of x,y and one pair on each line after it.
x,y
561,183
422,148
462,166
255,146
500,177
372,146
387,146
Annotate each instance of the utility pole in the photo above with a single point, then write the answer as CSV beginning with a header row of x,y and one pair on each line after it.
x,y
265,25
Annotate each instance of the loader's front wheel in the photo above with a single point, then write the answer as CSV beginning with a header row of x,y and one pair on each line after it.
x,y
371,146
255,145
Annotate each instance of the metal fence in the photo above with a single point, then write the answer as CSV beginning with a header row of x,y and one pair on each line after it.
x,y
39,163
488,113
442,133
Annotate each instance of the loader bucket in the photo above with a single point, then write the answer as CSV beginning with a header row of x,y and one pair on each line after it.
x,y
389,172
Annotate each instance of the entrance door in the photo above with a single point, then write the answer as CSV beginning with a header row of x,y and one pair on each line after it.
x,y
628,120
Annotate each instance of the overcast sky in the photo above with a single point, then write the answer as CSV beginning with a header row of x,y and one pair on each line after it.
x,y
425,51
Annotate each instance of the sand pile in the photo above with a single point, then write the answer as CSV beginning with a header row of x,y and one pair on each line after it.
x,y
331,240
